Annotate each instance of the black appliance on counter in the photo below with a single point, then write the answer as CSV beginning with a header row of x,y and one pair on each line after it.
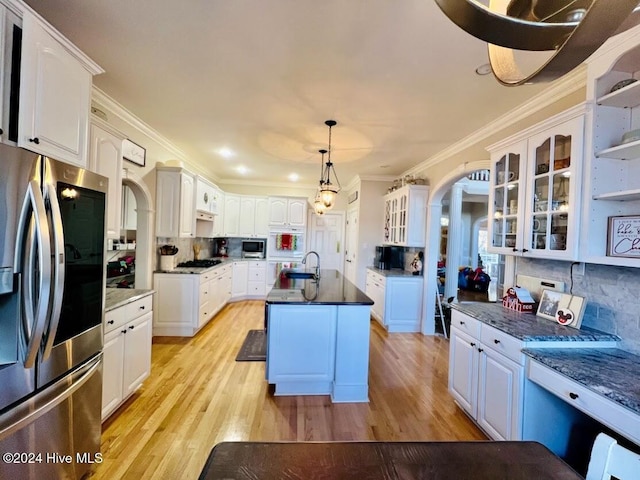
x,y
388,257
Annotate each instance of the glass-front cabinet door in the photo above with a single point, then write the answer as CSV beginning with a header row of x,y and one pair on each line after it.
x,y
505,198
552,194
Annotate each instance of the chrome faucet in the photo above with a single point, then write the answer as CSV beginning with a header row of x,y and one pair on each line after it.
x,y
304,261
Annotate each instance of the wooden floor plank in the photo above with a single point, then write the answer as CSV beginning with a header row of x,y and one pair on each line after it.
x,y
198,395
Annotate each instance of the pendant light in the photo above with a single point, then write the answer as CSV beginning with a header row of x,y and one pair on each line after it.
x,y
571,29
318,204
329,190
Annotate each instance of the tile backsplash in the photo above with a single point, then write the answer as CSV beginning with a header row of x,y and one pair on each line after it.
x,y
613,303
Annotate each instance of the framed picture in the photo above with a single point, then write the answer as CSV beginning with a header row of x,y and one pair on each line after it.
x,y
549,303
623,237
133,152
564,308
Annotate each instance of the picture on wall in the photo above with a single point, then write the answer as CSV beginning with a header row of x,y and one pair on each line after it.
x,y
566,309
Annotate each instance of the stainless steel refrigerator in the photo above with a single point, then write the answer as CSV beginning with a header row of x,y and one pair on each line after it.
x,y
52,247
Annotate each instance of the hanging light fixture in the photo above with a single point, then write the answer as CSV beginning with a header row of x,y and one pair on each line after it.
x,y
318,204
573,29
329,190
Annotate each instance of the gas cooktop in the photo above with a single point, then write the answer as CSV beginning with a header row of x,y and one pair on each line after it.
x,y
209,262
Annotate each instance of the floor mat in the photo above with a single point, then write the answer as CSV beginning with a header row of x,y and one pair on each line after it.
x,y
254,347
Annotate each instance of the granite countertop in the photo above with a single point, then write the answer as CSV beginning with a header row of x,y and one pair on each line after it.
x,y
527,326
199,270
331,289
117,297
394,272
610,372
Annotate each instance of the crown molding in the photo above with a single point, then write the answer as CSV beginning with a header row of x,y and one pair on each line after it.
x,y
130,119
566,85
262,183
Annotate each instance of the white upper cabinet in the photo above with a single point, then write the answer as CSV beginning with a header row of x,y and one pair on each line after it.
x,y
287,212
261,224
231,215
175,203
55,95
105,158
129,212
207,197
246,226
534,199
245,216
405,216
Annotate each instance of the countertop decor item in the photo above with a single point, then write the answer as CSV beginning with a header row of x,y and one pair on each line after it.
x,y
564,308
518,299
623,237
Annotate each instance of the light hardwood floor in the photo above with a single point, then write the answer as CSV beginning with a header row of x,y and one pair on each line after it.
x,y
198,395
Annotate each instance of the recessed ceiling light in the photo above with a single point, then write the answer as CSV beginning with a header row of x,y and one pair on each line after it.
x,y
226,152
484,69
293,177
242,170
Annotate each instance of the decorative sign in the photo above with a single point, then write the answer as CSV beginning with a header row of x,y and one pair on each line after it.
x,y
518,299
623,239
566,309
133,152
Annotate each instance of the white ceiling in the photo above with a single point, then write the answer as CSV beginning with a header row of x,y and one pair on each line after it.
x,y
260,77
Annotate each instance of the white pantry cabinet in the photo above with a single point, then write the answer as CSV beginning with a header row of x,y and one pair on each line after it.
x,y
405,216
287,212
534,198
105,158
397,305
126,352
55,94
175,202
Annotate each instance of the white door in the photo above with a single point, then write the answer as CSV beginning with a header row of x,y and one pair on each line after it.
x,y
351,247
327,238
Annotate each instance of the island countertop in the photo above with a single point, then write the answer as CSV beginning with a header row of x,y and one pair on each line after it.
x,y
331,289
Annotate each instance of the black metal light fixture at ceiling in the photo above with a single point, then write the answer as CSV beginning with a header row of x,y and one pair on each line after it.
x,y
574,29
329,190
318,204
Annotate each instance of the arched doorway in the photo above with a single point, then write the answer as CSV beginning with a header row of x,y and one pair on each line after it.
x,y
434,213
145,227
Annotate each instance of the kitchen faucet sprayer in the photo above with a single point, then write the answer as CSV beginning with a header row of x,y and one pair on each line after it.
x,y
304,261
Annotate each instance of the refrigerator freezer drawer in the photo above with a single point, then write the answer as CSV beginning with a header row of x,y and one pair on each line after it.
x,y
55,433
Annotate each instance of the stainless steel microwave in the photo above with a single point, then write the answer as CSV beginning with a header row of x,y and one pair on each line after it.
x,y
253,248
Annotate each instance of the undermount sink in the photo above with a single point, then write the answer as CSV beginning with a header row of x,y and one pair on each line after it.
x,y
295,274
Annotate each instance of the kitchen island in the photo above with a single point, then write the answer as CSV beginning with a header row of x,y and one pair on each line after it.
x,y
318,337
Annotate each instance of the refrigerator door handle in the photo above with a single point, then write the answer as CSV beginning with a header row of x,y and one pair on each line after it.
x,y
58,269
35,311
43,402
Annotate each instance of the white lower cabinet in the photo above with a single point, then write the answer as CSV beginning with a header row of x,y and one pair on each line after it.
x,y
249,279
397,301
485,382
126,352
240,277
187,302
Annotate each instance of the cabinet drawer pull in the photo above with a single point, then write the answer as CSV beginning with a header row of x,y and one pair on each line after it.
x,y
515,249
35,140
111,322
481,349
123,331
473,344
573,395
141,308
496,341
461,322
525,250
131,327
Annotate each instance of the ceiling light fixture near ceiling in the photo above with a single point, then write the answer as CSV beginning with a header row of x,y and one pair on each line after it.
x,y
318,204
294,177
242,170
571,29
329,190
226,152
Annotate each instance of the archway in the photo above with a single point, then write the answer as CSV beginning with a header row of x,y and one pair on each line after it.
x,y
434,212
145,227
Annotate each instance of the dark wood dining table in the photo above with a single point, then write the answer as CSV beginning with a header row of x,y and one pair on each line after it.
x,y
385,460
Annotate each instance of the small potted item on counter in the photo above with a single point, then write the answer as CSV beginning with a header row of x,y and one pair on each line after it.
x,y
167,257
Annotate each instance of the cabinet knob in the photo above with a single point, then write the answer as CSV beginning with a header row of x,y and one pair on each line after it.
x,y
141,308
1,131
461,323
496,341
481,349
525,250
35,140
111,322
123,331
473,344
573,395
131,327
515,249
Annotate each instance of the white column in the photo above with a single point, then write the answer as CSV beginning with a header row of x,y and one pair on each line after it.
x,y
454,242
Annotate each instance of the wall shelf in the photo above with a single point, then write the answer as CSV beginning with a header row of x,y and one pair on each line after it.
x,y
627,151
620,196
626,97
